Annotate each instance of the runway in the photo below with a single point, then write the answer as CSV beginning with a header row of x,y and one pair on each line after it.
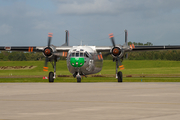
x,y
89,101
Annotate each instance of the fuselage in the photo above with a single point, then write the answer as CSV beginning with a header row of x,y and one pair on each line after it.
x,y
84,60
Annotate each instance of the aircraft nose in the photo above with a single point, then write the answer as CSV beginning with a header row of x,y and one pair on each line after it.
x,y
77,61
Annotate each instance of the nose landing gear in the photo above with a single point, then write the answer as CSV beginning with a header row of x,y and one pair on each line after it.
x,y
78,78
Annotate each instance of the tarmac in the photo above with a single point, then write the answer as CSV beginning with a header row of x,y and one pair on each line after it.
x,y
89,101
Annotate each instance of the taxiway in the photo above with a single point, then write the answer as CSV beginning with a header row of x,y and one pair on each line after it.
x,y
89,101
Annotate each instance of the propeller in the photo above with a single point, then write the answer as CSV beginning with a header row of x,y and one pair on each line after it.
x,y
48,51
116,52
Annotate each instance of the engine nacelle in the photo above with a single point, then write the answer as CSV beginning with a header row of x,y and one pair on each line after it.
x,y
117,52
48,51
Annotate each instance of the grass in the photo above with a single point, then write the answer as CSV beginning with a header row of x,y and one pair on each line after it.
x,y
140,70
91,79
144,67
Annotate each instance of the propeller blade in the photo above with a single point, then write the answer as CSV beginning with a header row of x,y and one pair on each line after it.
x,y
132,46
47,51
45,66
111,36
46,61
49,39
121,67
45,69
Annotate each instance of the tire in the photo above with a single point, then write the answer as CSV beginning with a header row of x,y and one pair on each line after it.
x,y
78,79
120,79
51,75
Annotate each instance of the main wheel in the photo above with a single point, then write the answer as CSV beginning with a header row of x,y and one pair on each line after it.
x,y
120,76
51,77
78,79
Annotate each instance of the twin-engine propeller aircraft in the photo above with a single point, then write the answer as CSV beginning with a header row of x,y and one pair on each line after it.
x,y
84,60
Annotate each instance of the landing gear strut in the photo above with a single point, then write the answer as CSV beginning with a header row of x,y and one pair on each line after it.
x,y
52,75
119,75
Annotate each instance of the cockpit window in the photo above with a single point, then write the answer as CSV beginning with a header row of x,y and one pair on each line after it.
x,y
86,54
77,54
72,54
81,54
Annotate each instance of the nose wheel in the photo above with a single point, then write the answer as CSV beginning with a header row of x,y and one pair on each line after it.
x,y
78,78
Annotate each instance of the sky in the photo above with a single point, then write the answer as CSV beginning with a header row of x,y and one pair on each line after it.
x,y
28,22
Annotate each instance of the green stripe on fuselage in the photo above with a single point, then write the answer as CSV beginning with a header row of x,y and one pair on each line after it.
x,y
77,61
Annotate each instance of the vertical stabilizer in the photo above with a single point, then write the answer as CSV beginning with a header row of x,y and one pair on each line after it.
x,y
66,39
126,37
126,41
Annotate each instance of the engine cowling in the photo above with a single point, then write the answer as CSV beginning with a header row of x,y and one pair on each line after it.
x,y
117,52
48,51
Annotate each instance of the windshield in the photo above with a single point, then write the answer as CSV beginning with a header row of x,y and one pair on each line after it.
x,y
79,54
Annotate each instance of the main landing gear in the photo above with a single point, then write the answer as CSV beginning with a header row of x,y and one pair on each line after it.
x,y
52,75
119,75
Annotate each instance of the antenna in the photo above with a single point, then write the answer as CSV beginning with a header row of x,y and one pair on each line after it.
x,y
81,43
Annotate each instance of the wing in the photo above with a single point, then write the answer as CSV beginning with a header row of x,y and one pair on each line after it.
x,y
21,48
138,48
153,48
103,49
35,48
